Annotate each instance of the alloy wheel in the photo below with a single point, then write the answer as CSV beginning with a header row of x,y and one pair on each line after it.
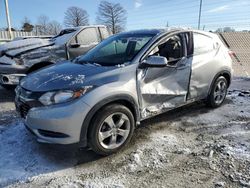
x,y
114,131
220,92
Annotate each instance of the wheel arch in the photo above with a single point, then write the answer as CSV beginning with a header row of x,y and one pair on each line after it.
x,y
125,100
226,74
39,66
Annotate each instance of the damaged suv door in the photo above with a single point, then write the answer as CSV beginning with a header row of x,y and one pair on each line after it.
x,y
164,75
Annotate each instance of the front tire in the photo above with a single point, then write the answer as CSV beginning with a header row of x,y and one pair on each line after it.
x,y
111,129
218,92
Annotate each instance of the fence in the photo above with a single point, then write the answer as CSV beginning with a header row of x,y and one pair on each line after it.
x,y
4,35
239,43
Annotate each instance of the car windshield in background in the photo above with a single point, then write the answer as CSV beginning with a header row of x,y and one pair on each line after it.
x,y
117,49
64,36
63,32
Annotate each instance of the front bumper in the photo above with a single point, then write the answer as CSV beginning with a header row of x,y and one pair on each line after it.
x,y
12,74
57,124
11,79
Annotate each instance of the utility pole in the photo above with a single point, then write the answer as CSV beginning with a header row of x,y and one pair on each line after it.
x,y
8,18
199,22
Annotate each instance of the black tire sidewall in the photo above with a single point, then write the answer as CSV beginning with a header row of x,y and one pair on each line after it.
x,y
97,121
211,100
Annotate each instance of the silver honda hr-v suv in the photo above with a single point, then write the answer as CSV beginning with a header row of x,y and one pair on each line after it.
x,y
98,99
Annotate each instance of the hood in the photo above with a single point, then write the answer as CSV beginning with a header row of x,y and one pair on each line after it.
x,y
65,75
18,47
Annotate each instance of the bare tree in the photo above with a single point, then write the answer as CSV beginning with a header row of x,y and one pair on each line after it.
x,y
46,27
54,28
112,15
75,16
42,25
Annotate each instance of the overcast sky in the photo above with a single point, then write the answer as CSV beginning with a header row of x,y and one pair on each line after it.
x,y
141,13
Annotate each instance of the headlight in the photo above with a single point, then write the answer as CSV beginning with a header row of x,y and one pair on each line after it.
x,y
57,97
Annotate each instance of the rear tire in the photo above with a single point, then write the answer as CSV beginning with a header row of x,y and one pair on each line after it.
x,y
218,92
111,129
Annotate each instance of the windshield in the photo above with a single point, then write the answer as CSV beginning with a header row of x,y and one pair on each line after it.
x,y
117,49
63,32
64,36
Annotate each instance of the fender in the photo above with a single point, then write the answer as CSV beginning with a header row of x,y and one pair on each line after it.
x,y
221,73
39,65
99,105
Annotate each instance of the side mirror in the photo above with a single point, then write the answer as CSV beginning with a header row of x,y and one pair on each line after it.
x,y
155,61
75,45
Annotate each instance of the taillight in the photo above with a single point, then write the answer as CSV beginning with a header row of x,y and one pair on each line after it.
x,y
232,54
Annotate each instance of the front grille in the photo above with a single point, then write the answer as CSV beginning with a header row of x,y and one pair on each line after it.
x,y
24,109
25,100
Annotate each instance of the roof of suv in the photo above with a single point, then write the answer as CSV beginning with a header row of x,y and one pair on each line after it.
x,y
166,30
81,27
154,31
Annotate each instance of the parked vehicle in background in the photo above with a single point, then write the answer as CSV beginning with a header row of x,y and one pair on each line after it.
x,y
99,98
21,57
33,37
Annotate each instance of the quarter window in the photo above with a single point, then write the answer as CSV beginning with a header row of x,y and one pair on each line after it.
x,y
202,44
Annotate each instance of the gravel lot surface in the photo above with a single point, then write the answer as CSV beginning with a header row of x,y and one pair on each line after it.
x,y
193,146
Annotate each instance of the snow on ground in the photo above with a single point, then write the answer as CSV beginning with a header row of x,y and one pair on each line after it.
x,y
193,146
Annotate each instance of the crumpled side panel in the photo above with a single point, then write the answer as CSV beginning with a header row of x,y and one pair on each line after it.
x,y
16,47
6,60
163,89
46,54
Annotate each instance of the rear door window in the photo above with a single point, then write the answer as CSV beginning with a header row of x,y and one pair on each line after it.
x,y
88,36
202,44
